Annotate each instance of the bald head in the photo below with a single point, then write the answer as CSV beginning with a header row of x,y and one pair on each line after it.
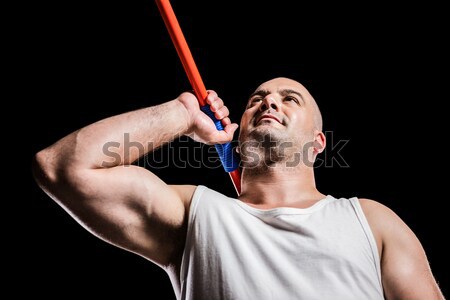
x,y
318,122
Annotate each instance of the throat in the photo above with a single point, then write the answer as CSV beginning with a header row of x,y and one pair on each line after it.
x,y
266,194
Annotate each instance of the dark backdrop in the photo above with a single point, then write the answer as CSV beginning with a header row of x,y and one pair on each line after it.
x,y
374,70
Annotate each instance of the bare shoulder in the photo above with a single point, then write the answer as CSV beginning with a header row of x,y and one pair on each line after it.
x,y
381,216
376,211
386,225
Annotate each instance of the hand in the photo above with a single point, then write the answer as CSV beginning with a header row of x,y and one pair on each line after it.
x,y
201,128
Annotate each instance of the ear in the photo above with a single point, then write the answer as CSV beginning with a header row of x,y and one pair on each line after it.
x,y
320,142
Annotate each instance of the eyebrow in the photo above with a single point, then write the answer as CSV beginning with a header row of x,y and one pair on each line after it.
x,y
282,92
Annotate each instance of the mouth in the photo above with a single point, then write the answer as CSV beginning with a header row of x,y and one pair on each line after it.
x,y
267,117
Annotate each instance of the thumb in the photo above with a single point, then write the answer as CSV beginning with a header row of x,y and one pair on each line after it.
x,y
231,128
226,135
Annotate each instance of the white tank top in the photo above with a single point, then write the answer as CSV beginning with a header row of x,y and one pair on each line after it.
x,y
236,251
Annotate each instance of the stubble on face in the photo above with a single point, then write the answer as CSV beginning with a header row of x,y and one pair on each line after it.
x,y
268,143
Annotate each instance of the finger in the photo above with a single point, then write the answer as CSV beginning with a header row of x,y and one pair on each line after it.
x,y
226,121
216,104
211,96
221,113
231,128
226,135
214,101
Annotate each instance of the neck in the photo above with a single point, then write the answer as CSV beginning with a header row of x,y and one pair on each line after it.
x,y
279,186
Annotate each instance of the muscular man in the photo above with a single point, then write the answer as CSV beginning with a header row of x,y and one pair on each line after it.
x,y
280,239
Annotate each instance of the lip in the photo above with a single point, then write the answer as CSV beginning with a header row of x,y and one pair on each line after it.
x,y
268,116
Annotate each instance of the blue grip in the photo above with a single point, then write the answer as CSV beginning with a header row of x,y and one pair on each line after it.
x,y
225,151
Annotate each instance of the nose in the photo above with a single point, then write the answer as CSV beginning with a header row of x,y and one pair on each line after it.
x,y
268,102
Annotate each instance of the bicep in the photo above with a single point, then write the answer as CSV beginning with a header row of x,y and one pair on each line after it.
x,y
405,270
129,207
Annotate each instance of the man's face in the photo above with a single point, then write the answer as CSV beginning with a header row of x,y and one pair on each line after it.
x,y
282,110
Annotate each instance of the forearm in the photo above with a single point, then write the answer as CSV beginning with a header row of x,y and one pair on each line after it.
x,y
119,140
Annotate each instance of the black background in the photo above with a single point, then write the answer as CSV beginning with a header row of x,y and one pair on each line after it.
x,y
374,70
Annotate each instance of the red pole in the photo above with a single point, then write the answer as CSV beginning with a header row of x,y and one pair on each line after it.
x,y
172,25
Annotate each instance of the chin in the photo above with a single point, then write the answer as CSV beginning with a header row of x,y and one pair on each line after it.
x,y
270,133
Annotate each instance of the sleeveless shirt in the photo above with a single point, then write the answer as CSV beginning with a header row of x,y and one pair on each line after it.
x,y
236,251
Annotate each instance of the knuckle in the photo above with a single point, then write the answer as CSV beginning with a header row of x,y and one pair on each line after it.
x,y
219,114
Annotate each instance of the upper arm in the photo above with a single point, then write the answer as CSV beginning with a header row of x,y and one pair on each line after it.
x,y
405,270
127,206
